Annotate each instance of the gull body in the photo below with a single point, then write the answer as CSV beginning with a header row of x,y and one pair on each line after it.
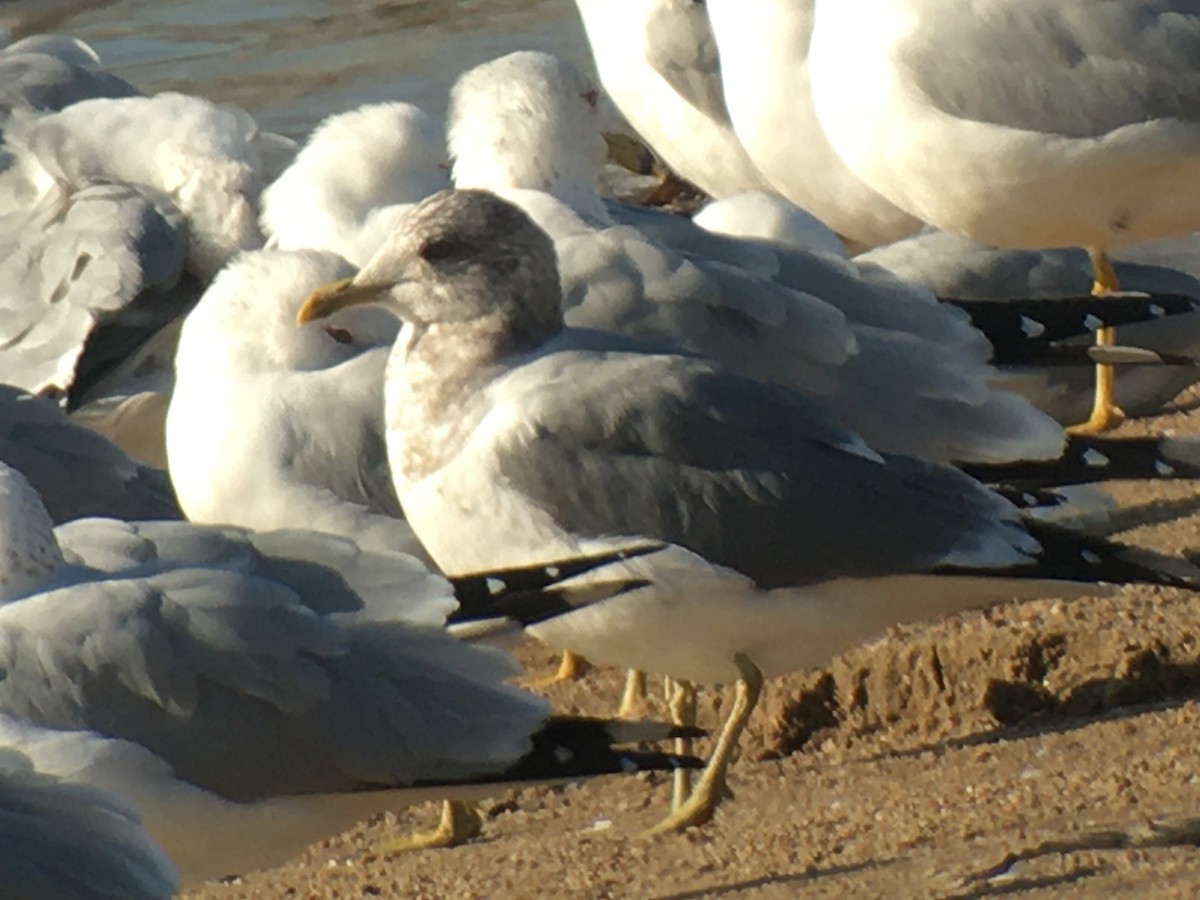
x,y
271,426
764,48
72,841
512,437
1027,125
658,61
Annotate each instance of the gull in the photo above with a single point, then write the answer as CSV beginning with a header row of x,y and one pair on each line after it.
x,y
356,173
757,215
952,266
77,472
880,353
658,62
72,841
211,161
46,73
251,693
764,48
94,283
513,438
1021,124
271,426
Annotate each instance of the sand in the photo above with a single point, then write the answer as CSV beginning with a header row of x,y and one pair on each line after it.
x,y
1038,749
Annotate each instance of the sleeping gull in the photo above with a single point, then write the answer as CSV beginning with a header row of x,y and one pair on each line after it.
x,y
77,473
1051,123
880,353
72,841
758,215
763,47
513,439
250,693
271,426
658,62
356,172
211,161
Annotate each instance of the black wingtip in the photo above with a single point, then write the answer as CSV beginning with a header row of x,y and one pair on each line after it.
x,y
1090,460
482,588
1067,555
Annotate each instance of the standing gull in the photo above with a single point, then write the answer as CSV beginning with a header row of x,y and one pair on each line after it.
x,y
658,62
763,46
1021,123
514,439
251,693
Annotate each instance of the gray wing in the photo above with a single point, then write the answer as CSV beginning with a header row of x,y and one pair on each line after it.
x,y
745,474
915,359
680,46
230,670
88,278
72,841
1070,67
77,472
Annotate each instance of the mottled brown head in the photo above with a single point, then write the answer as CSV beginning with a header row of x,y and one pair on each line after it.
x,y
459,256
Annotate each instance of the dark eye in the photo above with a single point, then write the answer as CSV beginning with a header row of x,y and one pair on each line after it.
x,y
341,335
439,249
591,97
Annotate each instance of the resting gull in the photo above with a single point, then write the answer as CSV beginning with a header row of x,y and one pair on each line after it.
x,y
271,426
658,62
514,439
355,174
763,46
64,841
1021,123
77,472
211,161
250,693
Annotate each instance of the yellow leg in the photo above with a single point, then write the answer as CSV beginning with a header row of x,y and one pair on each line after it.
x,y
460,823
571,668
635,692
682,709
712,787
1106,415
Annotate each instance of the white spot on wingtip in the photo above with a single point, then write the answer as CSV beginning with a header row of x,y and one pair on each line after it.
x,y
553,571
1094,458
1091,323
628,766
563,756
1156,310
1162,468
495,586
1031,327
1089,557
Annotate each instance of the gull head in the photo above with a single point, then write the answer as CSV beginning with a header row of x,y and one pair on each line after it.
x,y
529,121
29,551
458,257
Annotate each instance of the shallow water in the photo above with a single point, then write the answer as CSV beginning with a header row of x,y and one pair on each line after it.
x,y
292,62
